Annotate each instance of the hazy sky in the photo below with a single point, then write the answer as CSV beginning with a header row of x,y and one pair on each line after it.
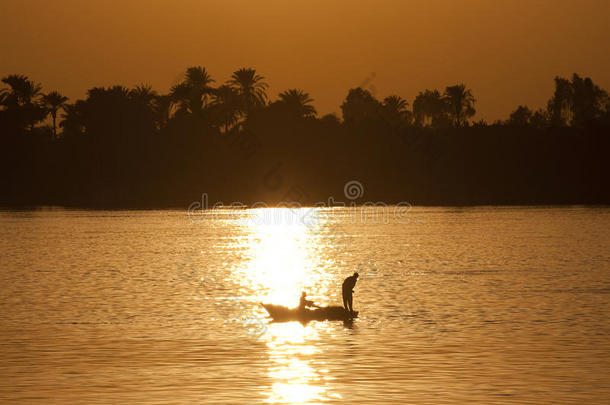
x,y
506,51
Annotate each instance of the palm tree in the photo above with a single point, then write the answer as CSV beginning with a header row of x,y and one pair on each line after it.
x,y
460,102
73,119
298,102
143,94
395,108
143,109
102,93
162,108
250,87
192,94
52,102
107,113
429,108
226,107
21,90
395,103
23,95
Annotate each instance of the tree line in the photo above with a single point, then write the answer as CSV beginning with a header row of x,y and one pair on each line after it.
x,y
136,147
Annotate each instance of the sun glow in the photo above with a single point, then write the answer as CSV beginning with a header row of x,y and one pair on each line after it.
x,y
283,258
283,251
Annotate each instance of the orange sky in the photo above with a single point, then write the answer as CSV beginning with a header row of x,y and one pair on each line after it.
x,y
507,52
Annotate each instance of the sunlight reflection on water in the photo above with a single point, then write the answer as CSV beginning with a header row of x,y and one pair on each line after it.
x,y
281,262
480,305
282,265
296,380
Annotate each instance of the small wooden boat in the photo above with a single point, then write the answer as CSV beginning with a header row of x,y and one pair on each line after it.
x,y
333,313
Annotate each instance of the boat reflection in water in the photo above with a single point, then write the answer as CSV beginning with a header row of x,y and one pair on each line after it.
x,y
284,260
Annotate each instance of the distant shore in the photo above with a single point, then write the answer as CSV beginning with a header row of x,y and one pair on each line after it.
x,y
126,148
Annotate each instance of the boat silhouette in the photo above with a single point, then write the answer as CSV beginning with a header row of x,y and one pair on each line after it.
x,y
281,313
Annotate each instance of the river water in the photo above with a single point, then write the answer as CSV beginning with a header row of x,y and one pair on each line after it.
x,y
480,305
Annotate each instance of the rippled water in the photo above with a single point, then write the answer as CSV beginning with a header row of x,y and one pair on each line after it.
x,y
482,305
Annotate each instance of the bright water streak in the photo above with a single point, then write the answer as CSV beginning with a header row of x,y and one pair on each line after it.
x,y
482,305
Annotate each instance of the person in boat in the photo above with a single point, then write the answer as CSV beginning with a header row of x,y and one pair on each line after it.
x,y
348,289
305,303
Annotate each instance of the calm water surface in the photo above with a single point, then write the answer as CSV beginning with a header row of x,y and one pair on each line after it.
x,y
480,305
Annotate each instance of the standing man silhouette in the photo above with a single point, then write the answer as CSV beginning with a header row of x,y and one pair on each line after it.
x,y
348,290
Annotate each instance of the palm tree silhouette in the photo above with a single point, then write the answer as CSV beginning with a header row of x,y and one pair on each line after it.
x,y
23,97
52,102
192,94
21,90
162,108
298,102
226,107
460,103
250,87
143,94
395,109
73,119
429,108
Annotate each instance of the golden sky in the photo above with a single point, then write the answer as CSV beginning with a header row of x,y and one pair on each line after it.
x,y
506,51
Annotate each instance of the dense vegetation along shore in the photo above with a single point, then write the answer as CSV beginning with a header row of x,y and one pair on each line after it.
x,y
136,148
